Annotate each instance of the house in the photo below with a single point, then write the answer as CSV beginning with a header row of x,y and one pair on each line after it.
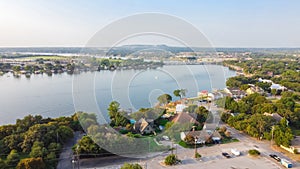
x,y
295,144
203,94
277,87
201,135
275,116
235,92
144,126
254,89
264,80
216,136
180,107
210,126
184,117
210,96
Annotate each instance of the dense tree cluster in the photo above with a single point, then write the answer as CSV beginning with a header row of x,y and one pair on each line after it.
x,y
284,72
40,140
249,116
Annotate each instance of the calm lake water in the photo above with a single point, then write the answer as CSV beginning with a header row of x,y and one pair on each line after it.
x,y
62,94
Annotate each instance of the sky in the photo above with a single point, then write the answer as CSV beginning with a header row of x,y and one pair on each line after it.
x,y
225,23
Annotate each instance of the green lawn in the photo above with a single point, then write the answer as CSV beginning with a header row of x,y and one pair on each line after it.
x,y
225,140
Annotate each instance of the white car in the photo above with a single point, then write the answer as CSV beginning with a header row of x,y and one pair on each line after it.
x,y
235,152
166,138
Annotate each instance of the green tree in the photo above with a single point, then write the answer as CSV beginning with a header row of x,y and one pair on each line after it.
x,y
87,146
131,166
177,93
3,164
164,99
13,158
202,114
31,163
171,160
64,133
37,150
274,92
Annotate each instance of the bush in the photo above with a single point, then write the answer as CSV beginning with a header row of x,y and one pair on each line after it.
x,y
27,163
254,152
197,155
171,160
2,164
13,158
131,166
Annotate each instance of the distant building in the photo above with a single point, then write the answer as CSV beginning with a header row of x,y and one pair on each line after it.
x,y
254,89
265,80
235,92
203,94
277,87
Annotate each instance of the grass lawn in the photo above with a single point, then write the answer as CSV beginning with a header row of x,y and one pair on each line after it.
x,y
225,140
153,147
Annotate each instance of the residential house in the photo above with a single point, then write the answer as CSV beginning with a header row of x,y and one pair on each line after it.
x,y
184,117
295,144
265,80
235,92
201,135
144,126
277,87
180,107
203,94
254,89
275,116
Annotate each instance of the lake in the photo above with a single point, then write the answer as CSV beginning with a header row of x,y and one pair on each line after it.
x,y
63,94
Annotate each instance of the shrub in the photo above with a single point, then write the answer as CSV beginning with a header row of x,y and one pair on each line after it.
x,y
254,152
27,163
197,155
131,166
171,160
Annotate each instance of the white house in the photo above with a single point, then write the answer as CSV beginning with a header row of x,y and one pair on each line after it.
x,y
277,87
180,107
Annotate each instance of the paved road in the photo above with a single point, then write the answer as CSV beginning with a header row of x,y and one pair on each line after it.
x,y
65,157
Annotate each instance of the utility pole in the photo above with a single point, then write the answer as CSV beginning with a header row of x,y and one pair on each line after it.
x,y
272,136
196,147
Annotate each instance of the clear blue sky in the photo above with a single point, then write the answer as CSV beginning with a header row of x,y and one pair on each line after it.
x,y
226,23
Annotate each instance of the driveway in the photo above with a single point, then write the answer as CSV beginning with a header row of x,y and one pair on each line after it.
x,y
65,158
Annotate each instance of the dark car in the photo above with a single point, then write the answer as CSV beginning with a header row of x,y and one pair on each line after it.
x,y
275,157
226,155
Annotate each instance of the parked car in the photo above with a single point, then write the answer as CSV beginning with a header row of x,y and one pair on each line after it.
x,y
166,138
226,155
235,152
275,157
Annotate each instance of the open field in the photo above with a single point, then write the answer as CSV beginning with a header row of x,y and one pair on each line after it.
x,y
42,57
